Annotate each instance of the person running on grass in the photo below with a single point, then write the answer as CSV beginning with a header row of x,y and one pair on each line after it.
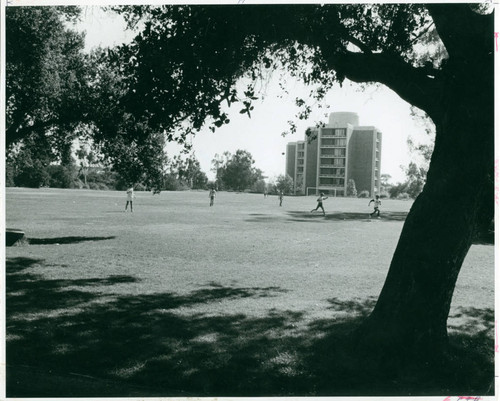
x,y
281,195
211,195
376,205
320,200
130,197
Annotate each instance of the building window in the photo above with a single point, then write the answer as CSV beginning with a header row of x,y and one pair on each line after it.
x,y
326,161
339,152
339,142
325,132
300,169
327,171
327,151
300,154
340,132
339,162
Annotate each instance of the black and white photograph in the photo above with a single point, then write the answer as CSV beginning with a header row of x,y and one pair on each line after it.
x,y
249,199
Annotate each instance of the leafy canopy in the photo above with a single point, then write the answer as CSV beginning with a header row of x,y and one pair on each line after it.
x,y
45,71
183,67
56,93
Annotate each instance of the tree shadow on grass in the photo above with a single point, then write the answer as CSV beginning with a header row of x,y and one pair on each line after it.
x,y
305,216
341,216
66,338
65,240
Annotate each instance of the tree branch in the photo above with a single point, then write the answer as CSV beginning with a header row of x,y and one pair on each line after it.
x,y
410,83
462,31
356,42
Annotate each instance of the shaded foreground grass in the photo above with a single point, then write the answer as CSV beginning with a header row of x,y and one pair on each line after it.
x,y
74,342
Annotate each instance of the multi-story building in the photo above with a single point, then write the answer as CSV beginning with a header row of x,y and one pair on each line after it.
x,y
332,155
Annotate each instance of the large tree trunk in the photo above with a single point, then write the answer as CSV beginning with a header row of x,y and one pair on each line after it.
x,y
411,314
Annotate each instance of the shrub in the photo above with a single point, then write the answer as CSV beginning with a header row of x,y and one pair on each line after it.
x,y
61,176
351,188
78,183
403,196
384,194
32,177
364,194
93,185
398,189
102,186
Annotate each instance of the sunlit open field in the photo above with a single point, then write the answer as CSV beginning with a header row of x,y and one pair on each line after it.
x,y
179,298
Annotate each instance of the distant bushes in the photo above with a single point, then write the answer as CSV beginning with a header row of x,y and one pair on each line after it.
x,y
364,194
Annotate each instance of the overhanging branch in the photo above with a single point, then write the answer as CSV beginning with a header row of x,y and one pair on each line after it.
x,y
410,83
356,42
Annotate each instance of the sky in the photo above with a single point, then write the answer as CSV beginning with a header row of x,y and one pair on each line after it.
x,y
261,134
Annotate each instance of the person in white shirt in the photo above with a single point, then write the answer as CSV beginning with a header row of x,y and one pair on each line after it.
x,y
320,200
130,197
376,206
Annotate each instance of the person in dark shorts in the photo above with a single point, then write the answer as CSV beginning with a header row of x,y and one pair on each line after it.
x,y
211,195
376,206
130,198
320,200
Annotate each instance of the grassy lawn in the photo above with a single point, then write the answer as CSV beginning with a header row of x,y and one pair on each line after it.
x,y
183,299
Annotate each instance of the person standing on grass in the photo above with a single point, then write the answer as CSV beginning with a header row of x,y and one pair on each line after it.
x,y
320,200
130,198
211,195
281,195
376,206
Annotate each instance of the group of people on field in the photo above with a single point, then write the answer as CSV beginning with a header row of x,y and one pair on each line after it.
x,y
212,193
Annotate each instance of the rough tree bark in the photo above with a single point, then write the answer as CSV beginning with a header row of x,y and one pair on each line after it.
x,y
412,310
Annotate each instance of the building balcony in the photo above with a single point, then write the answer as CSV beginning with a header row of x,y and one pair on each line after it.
x,y
327,186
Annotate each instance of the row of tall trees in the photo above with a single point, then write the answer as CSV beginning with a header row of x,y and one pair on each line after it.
x,y
32,167
56,93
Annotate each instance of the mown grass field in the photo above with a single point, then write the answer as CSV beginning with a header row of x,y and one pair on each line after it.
x,y
183,299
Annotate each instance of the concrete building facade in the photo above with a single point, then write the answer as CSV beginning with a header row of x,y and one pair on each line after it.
x,y
332,155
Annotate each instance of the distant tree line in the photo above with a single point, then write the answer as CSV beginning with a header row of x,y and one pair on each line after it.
x,y
88,171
